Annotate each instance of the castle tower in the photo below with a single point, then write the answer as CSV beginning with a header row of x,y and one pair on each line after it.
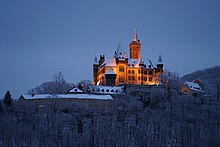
x,y
110,77
95,70
160,64
135,47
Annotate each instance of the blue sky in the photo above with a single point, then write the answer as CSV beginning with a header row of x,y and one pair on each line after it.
x,y
41,38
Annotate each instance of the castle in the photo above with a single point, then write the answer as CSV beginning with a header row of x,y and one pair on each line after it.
x,y
123,70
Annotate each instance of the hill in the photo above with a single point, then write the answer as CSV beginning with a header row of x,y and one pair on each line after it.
x,y
154,117
209,76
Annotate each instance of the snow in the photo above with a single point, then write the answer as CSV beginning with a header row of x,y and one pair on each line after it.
x,y
194,86
73,96
107,89
134,62
75,90
95,61
110,72
109,62
135,38
160,59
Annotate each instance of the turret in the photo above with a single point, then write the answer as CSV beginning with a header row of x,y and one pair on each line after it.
x,y
101,60
95,66
95,70
110,77
160,63
135,47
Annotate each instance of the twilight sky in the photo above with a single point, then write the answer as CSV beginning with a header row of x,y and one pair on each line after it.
x,y
40,38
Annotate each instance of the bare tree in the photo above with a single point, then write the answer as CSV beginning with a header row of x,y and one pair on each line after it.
x,y
84,85
57,86
170,79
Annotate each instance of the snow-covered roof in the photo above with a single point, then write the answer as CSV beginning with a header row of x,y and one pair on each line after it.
x,y
194,86
133,62
160,59
107,89
109,62
135,38
75,90
73,96
110,72
95,61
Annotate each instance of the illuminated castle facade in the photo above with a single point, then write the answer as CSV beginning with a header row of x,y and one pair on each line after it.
x,y
123,70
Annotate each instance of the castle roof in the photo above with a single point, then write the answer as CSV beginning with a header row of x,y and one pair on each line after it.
x,y
95,61
109,62
160,59
134,62
135,38
110,72
75,90
107,89
194,86
63,96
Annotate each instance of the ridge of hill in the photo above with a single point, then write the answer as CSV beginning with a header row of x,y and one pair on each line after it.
x,y
209,76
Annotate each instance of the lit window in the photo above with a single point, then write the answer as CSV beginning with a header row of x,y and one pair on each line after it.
x,y
121,68
129,77
133,78
121,79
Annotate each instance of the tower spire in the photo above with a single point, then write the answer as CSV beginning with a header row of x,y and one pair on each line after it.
x,y
135,47
160,59
95,60
135,38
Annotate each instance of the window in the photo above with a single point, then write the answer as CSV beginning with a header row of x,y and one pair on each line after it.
x,y
132,71
121,68
129,77
139,71
145,78
150,79
129,71
142,71
150,73
145,72
133,78
139,78
121,79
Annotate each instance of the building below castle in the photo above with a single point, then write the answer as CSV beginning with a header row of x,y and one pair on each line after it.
x,y
123,70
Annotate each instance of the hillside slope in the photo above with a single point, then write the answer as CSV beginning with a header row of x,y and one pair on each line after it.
x,y
135,119
209,76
